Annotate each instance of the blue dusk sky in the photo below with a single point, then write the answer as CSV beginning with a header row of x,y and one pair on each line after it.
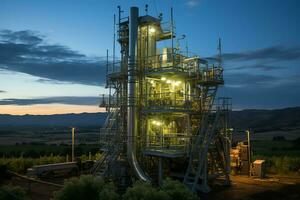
x,y
52,52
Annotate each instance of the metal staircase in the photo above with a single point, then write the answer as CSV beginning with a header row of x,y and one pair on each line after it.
x,y
109,140
196,174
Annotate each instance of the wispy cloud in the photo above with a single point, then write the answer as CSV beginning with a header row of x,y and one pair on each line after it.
x,y
28,52
70,100
192,3
263,78
246,79
277,53
258,66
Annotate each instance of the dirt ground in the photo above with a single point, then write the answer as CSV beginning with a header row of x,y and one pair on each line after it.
x,y
245,188
242,188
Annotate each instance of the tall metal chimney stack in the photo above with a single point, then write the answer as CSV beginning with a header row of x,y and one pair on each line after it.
x,y
131,124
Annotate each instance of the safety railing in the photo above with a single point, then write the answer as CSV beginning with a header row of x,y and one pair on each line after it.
x,y
166,26
213,74
107,137
111,101
113,67
171,141
123,30
223,104
169,100
170,62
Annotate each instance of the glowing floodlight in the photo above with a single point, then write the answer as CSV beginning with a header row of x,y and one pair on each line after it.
x,y
163,78
176,83
152,30
157,123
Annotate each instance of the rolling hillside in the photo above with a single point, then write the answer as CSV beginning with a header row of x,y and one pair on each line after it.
x,y
258,120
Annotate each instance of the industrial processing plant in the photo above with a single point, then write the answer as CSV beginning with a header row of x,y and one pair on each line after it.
x,y
149,100
164,119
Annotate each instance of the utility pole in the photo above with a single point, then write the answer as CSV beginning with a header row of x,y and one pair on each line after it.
x,y
73,141
249,151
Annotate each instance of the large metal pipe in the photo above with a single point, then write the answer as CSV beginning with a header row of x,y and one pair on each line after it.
x,y
131,130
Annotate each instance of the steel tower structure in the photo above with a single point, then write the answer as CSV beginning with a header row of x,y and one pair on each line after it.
x,y
163,119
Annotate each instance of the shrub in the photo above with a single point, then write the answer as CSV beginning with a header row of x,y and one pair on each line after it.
x,y
21,164
12,192
177,191
144,191
171,190
86,187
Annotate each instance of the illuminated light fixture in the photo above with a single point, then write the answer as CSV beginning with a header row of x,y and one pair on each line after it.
x,y
152,30
169,81
157,123
152,82
153,122
176,83
163,78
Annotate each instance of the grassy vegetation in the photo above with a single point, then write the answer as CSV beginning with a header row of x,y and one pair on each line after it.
x,y
35,150
11,192
89,187
21,164
282,156
275,148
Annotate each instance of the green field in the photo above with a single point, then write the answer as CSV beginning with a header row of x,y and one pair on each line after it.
x,y
37,150
276,148
282,157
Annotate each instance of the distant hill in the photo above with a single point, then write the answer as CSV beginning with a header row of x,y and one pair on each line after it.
x,y
266,120
59,120
259,120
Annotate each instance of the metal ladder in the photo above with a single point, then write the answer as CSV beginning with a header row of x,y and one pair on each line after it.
x,y
198,154
110,136
196,174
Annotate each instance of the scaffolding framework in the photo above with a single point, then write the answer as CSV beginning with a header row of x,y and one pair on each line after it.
x,y
163,119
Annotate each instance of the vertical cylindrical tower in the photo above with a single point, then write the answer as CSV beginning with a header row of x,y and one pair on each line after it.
x,y
131,129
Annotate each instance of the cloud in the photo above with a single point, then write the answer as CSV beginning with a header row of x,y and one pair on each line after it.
x,y
263,97
28,52
250,80
261,90
2,91
27,37
277,53
262,78
258,66
192,3
71,100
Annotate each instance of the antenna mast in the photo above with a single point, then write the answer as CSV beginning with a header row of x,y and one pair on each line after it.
x,y
220,52
114,43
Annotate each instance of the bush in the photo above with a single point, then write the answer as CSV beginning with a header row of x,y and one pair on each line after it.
x,y
177,191
285,165
171,190
21,164
11,193
86,187
144,191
